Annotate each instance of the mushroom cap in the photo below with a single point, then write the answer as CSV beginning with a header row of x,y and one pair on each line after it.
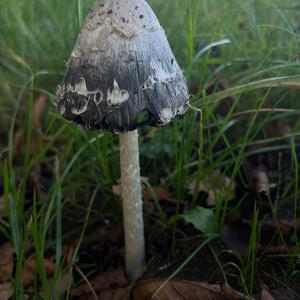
x,y
122,73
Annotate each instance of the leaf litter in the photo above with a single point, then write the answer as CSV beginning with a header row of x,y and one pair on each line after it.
x,y
113,284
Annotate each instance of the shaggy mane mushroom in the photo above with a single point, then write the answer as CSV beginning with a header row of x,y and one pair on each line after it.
x,y
122,75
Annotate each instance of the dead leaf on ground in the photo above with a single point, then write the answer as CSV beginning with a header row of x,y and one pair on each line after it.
x,y
118,293
6,262
265,294
160,193
30,268
6,291
107,285
285,293
215,184
181,289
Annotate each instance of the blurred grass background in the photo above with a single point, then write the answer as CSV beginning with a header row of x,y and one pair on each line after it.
x,y
37,37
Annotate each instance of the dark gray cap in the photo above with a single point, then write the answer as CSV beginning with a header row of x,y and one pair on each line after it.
x,y
122,73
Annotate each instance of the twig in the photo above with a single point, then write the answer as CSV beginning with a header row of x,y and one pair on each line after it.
x,y
87,282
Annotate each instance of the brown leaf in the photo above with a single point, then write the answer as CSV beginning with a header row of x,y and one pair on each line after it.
x,y
285,293
30,268
6,262
159,192
265,294
39,106
6,291
118,293
214,184
110,284
181,289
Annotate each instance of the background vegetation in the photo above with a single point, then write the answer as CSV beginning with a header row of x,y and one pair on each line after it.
x,y
238,57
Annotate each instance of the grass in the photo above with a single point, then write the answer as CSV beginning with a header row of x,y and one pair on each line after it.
x,y
261,66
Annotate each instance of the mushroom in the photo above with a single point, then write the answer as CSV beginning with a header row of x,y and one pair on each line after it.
x,y
122,75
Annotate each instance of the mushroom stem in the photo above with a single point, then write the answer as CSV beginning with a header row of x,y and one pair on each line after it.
x,y
132,205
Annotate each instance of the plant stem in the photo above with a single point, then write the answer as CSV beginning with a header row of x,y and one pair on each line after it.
x,y
132,205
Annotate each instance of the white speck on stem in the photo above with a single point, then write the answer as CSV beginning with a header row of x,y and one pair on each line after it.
x,y
132,205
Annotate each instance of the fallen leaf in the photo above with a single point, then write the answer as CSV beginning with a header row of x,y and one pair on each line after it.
x,y
285,293
6,291
30,269
201,218
108,284
216,184
160,193
265,294
118,293
6,262
182,289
